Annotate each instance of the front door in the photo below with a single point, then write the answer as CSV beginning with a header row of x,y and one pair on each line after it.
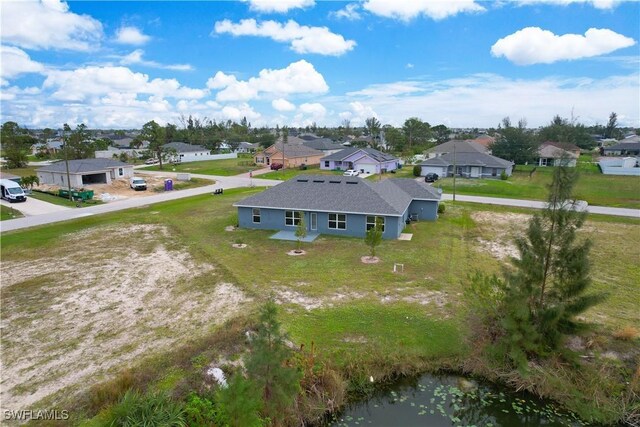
x,y
314,221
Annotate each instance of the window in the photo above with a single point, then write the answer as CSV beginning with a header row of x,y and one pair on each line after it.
x,y
291,218
494,172
326,163
255,213
371,222
337,221
120,171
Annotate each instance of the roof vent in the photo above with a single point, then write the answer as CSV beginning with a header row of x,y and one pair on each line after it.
x,y
334,182
352,182
318,180
303,180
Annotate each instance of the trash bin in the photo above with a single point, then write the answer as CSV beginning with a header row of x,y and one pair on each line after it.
x,y
168,185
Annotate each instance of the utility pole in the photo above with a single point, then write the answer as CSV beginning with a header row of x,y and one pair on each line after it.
x,y
454,172
66,162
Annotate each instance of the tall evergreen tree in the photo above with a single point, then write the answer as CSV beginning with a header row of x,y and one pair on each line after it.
x,y
547,290
267,366
515,143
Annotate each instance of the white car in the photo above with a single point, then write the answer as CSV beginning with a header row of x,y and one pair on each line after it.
x,y
351,172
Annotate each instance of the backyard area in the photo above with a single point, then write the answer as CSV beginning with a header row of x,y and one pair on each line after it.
x,y
87,310
224,167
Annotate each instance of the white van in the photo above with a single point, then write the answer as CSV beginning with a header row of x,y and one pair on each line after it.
x,y
137,183
11,191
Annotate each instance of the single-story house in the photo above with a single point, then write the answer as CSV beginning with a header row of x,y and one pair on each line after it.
x,y
364,160
467,165
485,140
629,166
325,145
246,147
115,151
84,172
188,152
623,149
458,146
338,205
558,154
291,155
51,147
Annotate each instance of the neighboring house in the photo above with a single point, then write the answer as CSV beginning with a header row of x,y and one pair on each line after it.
x,y
467,165
84,172
294,155
188,152
620,166
485,141
325,145
51,147
344,206
558,154
458,146
364,160
115,151
246,147
623,149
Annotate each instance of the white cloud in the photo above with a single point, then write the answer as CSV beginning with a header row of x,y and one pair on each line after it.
x,y
350,12
84,84
598,4
358,113
533,45
48,25
14,62
238,112
302,39
298,77
463,102
279,6
131,35
309,113
135,58
406,10
389,89
409,65
282,104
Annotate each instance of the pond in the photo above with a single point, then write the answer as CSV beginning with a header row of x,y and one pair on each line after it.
x,y
447,400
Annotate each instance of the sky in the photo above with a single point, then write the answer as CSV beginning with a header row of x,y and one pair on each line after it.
x,y
462,63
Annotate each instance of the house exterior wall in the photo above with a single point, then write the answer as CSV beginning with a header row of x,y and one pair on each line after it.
x,y
60,179
266,159
359,162
465,171
200,156
427,210
274,219
550,161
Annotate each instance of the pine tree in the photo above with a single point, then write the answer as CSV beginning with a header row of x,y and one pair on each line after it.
x,y
301,230
548,288
239,403
267,366
374,236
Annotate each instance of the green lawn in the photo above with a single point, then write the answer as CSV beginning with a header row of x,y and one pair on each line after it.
x,y
26,171
225,167
355,314
57,200
285,174
594,187
7,212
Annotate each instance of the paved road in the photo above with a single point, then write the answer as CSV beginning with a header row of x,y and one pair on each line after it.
x,y
225,182
35,207
535,204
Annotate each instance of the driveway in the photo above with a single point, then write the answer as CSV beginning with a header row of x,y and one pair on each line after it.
x,y
35,207
225,182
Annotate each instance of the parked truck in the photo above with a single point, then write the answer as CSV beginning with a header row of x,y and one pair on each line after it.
x,y
11,191
137,183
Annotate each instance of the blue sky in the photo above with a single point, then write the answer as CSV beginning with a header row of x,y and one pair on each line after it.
x,y
463,63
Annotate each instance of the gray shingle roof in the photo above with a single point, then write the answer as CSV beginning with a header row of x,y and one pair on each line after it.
x,y
330,193
467,159
374,154
460,147
322,144
182,147
83,165
623,146
296,150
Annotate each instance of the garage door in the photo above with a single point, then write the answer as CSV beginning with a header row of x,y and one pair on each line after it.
x,y
366,168
95,178
432,169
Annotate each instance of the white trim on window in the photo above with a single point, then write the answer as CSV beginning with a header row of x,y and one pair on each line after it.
x,y
255,213
371,222
337,221
291,218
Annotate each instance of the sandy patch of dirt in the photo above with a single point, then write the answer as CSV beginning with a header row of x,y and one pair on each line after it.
x,y
290,296
369,259
296,253
498,231
111,295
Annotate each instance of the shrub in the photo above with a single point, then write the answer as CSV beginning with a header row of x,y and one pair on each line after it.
x,y
417,170
200,411
441,208
503,176
135,409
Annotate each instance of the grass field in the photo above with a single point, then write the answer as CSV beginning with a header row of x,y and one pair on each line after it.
x,y
592,186
27,171
225,167
7,212
285,174
61,201
98,311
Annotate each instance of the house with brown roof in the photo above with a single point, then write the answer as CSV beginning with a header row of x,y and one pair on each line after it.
x,y
552,153
289,155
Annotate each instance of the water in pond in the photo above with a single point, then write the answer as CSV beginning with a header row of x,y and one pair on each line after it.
x,y
452,401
